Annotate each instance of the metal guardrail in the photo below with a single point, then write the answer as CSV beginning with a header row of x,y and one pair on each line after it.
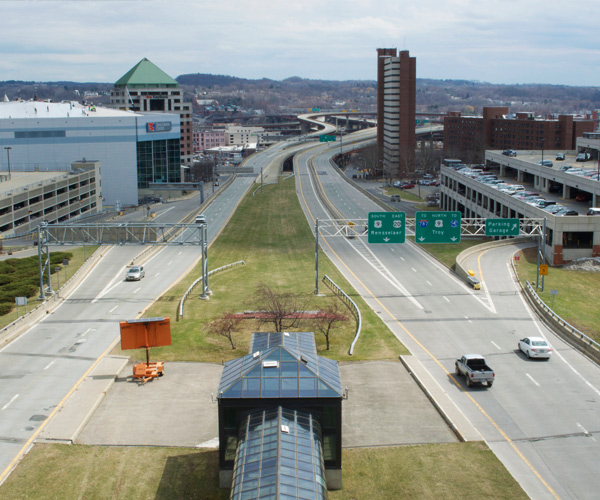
x,y
582,337
193,285
351,304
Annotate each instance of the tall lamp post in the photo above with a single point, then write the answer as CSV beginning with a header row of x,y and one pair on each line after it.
x,y
8,148
542,152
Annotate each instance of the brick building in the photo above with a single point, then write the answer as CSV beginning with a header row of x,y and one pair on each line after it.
x,y
497,129
396,95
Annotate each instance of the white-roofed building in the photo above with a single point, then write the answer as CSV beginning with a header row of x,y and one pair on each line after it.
x,y
133,149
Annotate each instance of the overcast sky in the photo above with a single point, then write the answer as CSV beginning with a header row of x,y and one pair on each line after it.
x,y
497,41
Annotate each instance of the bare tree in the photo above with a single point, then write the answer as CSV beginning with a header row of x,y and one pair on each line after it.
x,y
329,319
226,326
280,309
406,162
202,169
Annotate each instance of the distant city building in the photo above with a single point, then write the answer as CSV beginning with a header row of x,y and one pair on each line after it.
x,y
208,138
497,129
239,135
396,97
133,149
147,88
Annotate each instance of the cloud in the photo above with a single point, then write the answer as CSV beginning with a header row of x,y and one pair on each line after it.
x,y
502,42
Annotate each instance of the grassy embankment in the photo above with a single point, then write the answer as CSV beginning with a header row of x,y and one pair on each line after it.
x,y
58,277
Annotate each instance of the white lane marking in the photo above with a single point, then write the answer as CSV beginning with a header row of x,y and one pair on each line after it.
x,y
49,364
170,262
179,253
113,309
156,274
110,285
402,259
556,353
163,212
137,290
489,306
584,430
446,298
10,402
414,269
428,283
86,332
467,318
495,345
532,379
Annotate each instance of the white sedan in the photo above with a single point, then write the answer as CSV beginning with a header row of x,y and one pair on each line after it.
x,y
535,347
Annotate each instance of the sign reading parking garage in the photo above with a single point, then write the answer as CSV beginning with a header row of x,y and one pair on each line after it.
x,y
502,227
387,227
437,227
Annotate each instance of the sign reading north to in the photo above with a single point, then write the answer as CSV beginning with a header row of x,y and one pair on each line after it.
x,y
387,227
502,227
159,127
437,227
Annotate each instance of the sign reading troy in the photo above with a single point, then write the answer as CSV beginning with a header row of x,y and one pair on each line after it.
x,y
387,227
437,227
502,227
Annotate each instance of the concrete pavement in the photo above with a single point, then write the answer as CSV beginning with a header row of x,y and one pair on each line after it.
x,y
385,407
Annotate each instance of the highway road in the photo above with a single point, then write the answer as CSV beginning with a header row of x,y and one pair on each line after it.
x,y
41,367
541,418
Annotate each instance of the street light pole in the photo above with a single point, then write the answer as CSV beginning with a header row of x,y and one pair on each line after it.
x,y
8,148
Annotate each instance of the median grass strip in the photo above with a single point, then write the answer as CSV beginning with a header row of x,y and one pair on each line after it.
x,y
270,233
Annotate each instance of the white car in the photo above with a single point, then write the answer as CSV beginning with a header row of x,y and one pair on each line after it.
x,y
200,219
535,347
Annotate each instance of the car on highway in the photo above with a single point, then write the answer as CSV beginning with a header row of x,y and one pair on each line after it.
x,y
535,347
200,219
135,273
395,197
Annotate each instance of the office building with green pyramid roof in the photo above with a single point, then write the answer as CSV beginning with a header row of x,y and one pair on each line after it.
x,y
146,88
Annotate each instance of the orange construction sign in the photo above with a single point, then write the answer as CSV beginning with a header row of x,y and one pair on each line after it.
x,y
145,332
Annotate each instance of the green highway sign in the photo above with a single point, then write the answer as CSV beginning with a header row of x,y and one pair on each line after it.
x,y
502,227
437,227
327,138
387,227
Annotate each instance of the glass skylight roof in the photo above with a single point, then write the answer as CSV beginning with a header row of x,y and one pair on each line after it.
x,y
281,366
297,471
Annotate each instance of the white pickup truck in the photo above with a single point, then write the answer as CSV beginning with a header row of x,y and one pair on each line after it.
x,y
475,370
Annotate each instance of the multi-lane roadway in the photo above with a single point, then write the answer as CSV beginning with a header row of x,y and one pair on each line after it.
x,y
541,418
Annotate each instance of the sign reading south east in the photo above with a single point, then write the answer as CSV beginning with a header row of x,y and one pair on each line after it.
x,y
387,227
437,227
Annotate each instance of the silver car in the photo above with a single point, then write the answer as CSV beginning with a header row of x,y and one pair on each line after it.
x,y
135,273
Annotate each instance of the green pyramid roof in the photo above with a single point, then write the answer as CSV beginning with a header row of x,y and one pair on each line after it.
x,y
146,74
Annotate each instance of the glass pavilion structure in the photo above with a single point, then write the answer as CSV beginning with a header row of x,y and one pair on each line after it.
x,y
280,420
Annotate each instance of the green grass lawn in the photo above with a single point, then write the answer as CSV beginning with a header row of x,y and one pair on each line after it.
x,y
576,299
58,471
270,233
